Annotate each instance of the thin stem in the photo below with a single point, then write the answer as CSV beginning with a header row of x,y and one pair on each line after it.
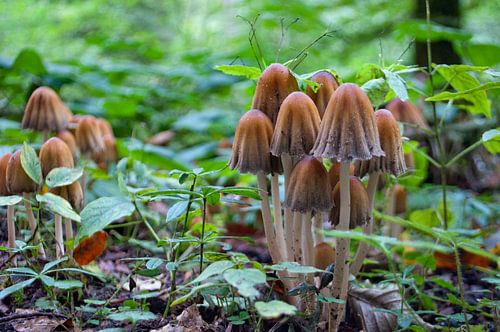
x,y
11,231
278,220
287,162
307,241
368,228
463,153
341,271
144,220
297,237
33,224
176,253
461,285
318,229
68,230
203,221
267,219
59,236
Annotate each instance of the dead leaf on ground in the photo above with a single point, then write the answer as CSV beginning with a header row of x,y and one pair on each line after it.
x,y
90,248
36,323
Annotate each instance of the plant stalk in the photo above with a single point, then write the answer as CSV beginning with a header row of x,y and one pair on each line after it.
x,y
287,162
341,271
461,285
59,236
203,221
278,220
68,231
33,224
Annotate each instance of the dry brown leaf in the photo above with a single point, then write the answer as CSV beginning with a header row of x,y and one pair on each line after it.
x,y
90,248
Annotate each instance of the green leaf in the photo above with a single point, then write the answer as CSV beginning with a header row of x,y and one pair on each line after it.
x,y
176,211
120,107
368,72
294,267
31,164
10,200
242,191
53,263
491,140
376,89
58,205
67,284
63,176
475,102
245,281
30,61
274,309
103,211
419,29
427,217
397,84
213,269
132,316
446,95
251,73
14,288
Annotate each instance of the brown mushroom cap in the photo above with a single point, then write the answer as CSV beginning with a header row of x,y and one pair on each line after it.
x,y
105,127
309,189
45,111
4,191
108,154
360,204
70,141
297,126
348,130
334,173
324,255
321,97
55,153
390,139
18,181
275,83
72,193
405,111
88,135
250,151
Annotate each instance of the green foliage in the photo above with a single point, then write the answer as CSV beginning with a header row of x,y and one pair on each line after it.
x,y
251,73
10,200
58,205
491,140
63,176
274,309
31,164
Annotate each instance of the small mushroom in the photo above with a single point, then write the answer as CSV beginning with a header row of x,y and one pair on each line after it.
x,y
407,112
324,255
45,112
4,191
275,83
360,212
70,141
328,84
88,136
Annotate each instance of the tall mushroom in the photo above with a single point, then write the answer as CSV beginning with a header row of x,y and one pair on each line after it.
x,y
296,129
70,141
53,154
360,213
348,132
406,112
275,83
250,154
45,112
328,84
18,182
4,191
393,163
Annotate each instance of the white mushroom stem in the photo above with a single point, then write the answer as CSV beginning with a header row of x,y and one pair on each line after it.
x,y
59,236
368,228
32,223
394,229
267,219
318,228
341,271
307,239
68,230
11,230
278,220
297,237
286,160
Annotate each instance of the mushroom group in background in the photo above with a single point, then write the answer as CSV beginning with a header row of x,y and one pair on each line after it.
x,y
4,191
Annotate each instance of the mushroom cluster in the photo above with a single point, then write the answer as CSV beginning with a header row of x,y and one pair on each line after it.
x,y
293,133
75,137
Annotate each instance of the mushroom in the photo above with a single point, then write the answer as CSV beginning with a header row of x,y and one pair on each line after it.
x,y
74,195
334,173
328,84
393,163
18,182
396,206
88,136
53,154
45,112
4,191
309,193
294,135
108,154
70,141
324,255
348,132
275,83
250,154
407,112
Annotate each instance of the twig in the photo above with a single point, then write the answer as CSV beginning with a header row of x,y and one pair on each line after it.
x,y
30,315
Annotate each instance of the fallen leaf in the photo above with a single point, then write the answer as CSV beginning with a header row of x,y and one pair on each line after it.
x,y
90,248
